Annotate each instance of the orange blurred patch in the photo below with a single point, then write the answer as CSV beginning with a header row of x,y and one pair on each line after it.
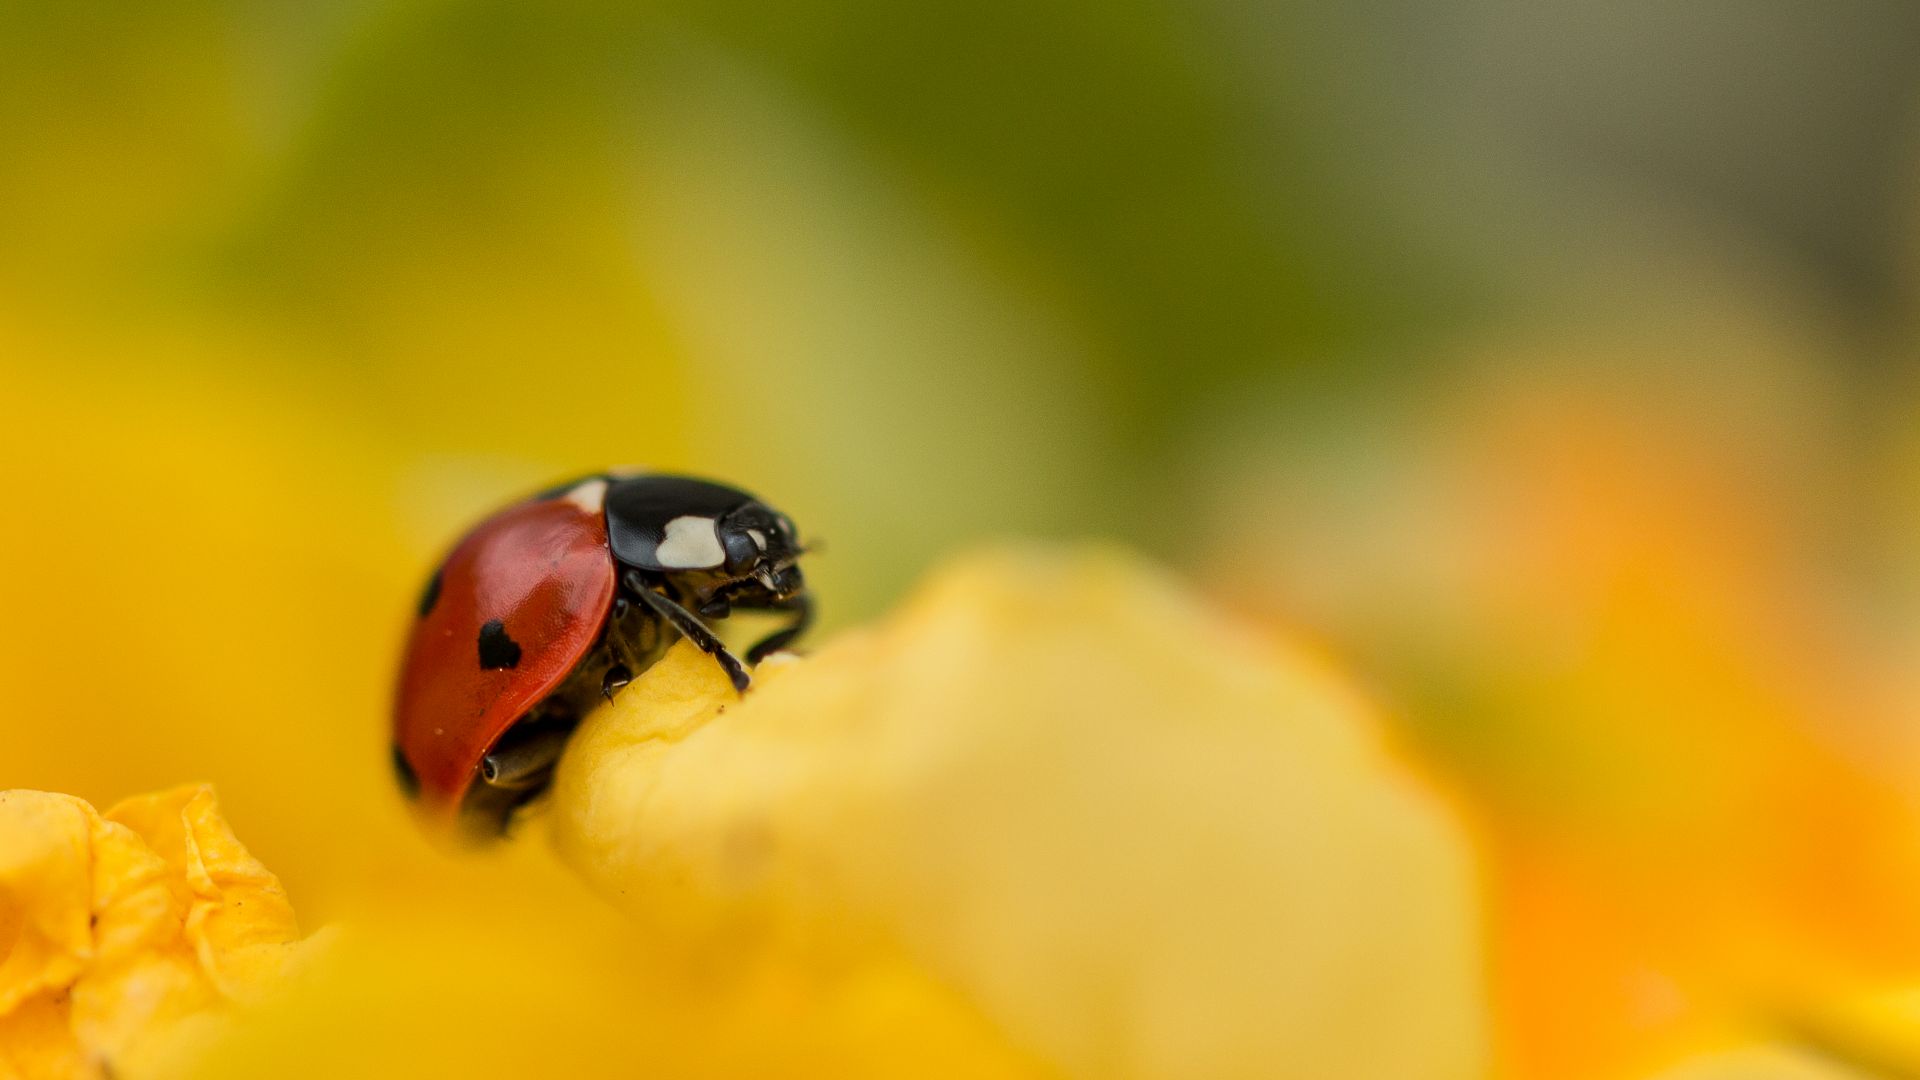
x,y
1608,601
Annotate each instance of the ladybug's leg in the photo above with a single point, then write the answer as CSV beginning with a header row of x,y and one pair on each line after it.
x,y
801,604
524,756
631,634
690,627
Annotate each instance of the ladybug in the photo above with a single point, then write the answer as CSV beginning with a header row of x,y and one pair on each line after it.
x,y
554,604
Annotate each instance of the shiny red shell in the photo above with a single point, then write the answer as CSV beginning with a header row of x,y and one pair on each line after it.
x,y
542,570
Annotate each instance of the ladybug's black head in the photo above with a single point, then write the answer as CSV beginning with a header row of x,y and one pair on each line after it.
x,y
761,545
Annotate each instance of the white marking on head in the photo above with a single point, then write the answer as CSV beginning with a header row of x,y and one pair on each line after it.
x,y
692,543
590,496
759,538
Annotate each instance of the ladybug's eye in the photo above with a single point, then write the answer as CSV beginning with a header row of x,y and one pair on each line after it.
x,y
746,545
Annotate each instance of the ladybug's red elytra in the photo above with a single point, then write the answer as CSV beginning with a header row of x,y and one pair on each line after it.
x,y
558,601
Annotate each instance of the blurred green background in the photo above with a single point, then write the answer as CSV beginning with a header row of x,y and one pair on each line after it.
x,y
1551,363
873,256
1014,267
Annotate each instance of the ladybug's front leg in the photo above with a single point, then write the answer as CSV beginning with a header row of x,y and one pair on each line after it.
x,y
690,627
801,604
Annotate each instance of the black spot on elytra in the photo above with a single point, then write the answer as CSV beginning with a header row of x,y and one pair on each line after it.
x,y
497,650
409,782
431,596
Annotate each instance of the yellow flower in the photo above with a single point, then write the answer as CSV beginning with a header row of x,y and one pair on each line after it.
x,y
119,931
1056,806
1053,818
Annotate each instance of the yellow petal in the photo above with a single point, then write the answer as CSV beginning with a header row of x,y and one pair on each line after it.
x,y
240,923
46,890
115,930
1135,840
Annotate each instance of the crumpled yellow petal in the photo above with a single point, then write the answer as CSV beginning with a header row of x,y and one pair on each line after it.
x,y
1131,839
114,929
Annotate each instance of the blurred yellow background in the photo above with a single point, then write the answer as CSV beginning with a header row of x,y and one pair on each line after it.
x,y
1551,365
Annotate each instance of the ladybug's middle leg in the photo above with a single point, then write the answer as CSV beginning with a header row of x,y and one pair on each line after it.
x,y
690,627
